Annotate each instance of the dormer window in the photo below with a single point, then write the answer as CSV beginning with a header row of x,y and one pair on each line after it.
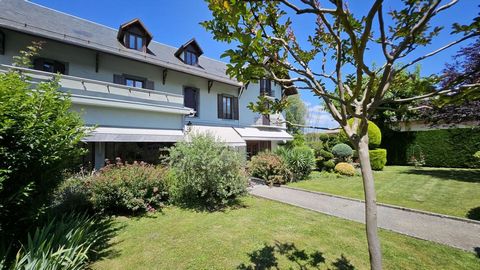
x,y
134,41
133,35
191,58
189,53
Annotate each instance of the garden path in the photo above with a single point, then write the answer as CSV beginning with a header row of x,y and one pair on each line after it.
x,y
452,231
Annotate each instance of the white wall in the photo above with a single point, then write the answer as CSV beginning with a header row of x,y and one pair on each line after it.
x,y
81,63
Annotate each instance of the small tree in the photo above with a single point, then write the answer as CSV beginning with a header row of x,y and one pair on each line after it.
x,y
295,114
39,136
349,85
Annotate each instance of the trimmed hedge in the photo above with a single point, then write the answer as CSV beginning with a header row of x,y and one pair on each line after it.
x,y
378,159
440,148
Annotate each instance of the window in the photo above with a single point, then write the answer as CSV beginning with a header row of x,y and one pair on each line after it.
x,y
255,147
191,58
49,65
265,87
227,107
190,98
134,82
134,41
2,42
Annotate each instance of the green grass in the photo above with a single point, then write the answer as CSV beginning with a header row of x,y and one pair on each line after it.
x,y
442,190
185,239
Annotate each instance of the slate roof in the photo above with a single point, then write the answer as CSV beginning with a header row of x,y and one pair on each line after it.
x,y
28,17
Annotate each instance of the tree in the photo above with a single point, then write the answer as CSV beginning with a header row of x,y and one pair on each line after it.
x,y
267,44
39,137
295,114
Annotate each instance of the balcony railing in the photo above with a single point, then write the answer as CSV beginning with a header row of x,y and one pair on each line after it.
x,y
68,82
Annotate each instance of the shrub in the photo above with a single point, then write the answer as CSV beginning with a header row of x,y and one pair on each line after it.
x,y
477,156
68,242
329,165
440,148
342,151
269,167
207,173
128,188
39,137
374,134
378,159
72,195
327,140
344,168
299,160
326,155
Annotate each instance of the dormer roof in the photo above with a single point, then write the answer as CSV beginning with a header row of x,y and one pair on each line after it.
x,y
192,44
136,26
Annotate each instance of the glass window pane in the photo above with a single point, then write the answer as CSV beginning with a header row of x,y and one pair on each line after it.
x,y
139,84
132,42
139,43
129,82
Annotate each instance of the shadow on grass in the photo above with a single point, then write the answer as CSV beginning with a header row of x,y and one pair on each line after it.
x,y
267,258
474,213
106,229
201,206
463,175
477,251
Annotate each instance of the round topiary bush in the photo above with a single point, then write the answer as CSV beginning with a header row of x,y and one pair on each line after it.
x,y
342,151
329,165
344,168
374,134
378,159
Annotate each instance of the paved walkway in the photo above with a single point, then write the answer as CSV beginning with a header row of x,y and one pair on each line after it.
x,y
449,231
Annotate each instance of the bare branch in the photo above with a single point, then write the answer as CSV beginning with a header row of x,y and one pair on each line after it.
x,y
382,34
312,10
432,94
439,50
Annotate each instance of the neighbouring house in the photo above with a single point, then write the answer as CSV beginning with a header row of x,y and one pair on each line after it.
x,y
140,95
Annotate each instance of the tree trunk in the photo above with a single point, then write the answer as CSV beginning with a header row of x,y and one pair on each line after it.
x,y
370,204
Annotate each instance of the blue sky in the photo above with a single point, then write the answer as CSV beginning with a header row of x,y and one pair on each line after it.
x,y
174,22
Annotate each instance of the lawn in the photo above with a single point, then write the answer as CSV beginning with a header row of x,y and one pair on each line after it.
x,y
442,190
264,233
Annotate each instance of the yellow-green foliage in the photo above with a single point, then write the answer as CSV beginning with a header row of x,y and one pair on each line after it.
x,y
378,158
344,168
374,134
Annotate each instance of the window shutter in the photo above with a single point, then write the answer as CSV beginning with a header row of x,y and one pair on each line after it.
x,y
2,43
235,108
220,105
38,64
59,67
150,85
118,79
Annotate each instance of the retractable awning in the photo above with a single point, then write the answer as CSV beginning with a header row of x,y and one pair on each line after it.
x,y
263,134
113,134
224,134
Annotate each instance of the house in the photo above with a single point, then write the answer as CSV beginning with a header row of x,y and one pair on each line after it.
x,y
140,95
